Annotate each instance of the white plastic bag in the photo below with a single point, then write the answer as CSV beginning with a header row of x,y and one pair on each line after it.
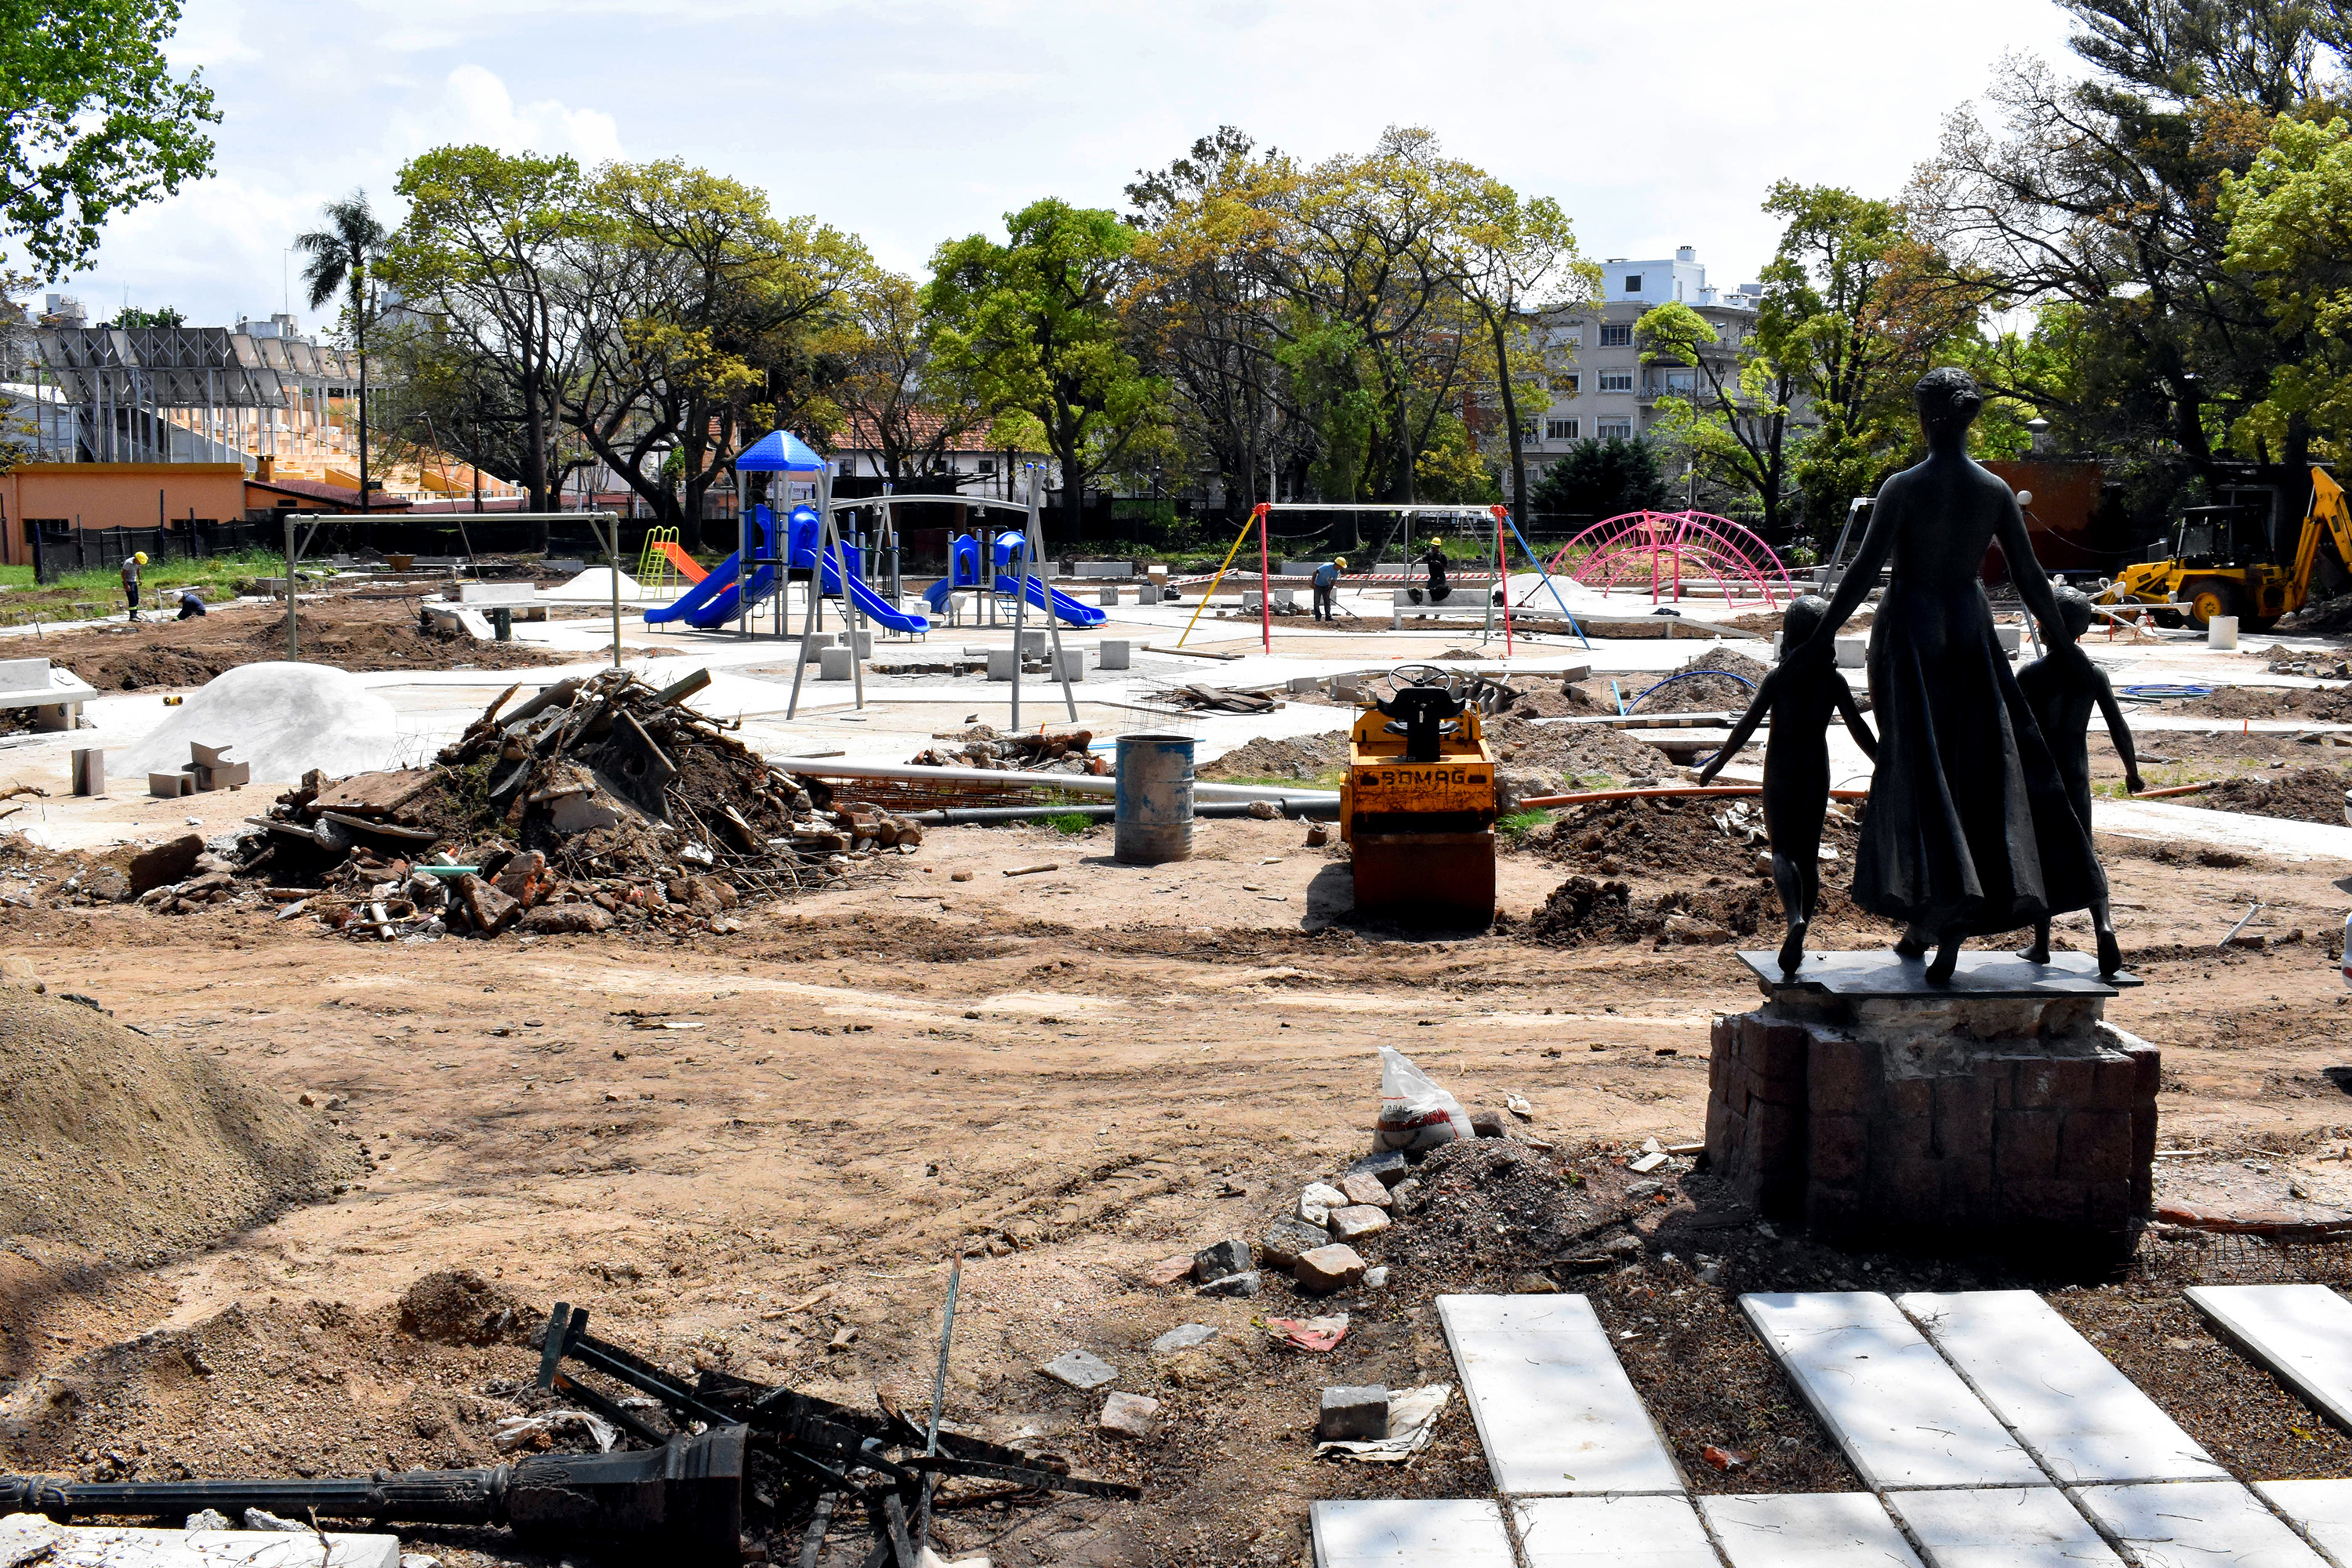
x,y
1415,1113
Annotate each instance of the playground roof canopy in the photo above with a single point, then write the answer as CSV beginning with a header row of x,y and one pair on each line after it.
x,y
779,452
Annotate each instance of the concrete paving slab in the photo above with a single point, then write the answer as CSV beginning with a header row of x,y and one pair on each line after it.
x,y
2321,1509
2066,1403
1903,1417
29,1539
2196,1524
1409,1532
1610,1532
2002,1527
2302,1333
1808,1530
1555,1409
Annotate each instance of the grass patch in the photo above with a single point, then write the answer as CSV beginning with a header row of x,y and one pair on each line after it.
x,y
215,576
1071,822
1518,824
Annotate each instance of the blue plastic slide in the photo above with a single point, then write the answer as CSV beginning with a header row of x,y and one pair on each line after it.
x,y
963,556
1046,597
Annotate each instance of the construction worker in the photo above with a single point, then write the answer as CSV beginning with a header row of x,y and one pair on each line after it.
x,y
1434,558
130,564
192,604
1326,586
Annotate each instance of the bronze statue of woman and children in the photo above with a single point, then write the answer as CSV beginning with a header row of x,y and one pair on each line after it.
x,y
1979,819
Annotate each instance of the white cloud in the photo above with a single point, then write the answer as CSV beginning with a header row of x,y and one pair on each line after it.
x,y
474,107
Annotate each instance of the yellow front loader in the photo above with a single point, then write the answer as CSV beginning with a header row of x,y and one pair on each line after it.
x,y
2213,570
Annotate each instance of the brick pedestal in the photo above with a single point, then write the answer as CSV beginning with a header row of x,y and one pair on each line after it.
x,y
2021,1124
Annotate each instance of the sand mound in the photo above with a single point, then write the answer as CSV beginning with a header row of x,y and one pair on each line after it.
x,y
136,1149
284,719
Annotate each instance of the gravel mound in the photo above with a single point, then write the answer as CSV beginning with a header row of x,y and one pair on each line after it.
x,y
126,1147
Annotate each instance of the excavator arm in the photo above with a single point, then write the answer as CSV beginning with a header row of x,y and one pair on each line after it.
x,y
2328,511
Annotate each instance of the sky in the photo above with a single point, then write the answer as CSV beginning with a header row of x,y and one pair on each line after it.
x,y
911,121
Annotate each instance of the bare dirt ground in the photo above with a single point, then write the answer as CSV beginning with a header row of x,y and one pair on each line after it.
x,y
737,1151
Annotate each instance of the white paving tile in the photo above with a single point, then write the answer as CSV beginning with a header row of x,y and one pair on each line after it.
x,y
1903,1417
2302,1332
1409,1532
1808,1530
2321,1509
2067,1404
2002,1527
1613,1531
1555,1410
2196,1524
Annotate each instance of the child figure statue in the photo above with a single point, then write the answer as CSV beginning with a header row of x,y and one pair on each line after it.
x,y
2062,687
1798,699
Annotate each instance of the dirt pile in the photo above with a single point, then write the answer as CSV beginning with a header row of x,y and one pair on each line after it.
x,y
1674,840
1704,693
459,1307
2284,660
1296,757
2313,793
982,746
1485,1208
595,803
1574,756
354,633
2311,704
113,1143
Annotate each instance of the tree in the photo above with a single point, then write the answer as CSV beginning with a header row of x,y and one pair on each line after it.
x,y
1595,479
2290,239
131,319
1033,327
1518,258
486,243
1735,426
341,255
879,363
700,315
91,121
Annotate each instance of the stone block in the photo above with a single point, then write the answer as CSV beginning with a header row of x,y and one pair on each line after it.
x,y
1112,653
1353,1415
1390,1166
1317,1200
1323,1270
1183,1338
836,663
2060,1083
2095,1143
1964,1119
2114,1083
1240,1286
1358,1220
1004,664
1840,1075
1840,1149
1365,1189
1911,1100
1285,1239
2056,1202
2026,1144
1774,1050
487,908
1216,1261
1127,1415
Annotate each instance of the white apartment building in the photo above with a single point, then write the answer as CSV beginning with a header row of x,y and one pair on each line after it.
x,y
1600,387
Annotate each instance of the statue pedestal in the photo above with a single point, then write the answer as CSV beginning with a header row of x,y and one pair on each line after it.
x,y
2000,1111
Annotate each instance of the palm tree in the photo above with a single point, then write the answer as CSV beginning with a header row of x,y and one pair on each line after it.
x,y
341,255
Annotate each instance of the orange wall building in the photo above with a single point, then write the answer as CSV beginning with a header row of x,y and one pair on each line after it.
x,y
114,494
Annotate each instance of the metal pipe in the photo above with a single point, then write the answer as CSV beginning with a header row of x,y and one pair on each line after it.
x,y
1077,783
1292,809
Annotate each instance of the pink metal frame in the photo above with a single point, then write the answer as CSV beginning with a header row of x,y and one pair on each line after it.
x,y
1665,547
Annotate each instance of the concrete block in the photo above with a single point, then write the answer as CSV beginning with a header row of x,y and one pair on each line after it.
x,y
1034,643
2302,1333
495,594
1400,596
89,772
1253,602
1107,597
2067,1404
1004,663
1353,1415
834,663
2195,1524
2321,1510
812,646
170,787
1409,1532
1555,1410
24,675
1072,665
1082,1370
1613,1532
28,1538
1183,1338
2008,1527
1902,1415
1808,1530
1111,652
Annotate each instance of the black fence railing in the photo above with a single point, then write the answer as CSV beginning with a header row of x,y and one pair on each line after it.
x,y
58,550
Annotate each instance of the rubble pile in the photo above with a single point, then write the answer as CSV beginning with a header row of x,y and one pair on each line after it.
x,y
2312,793
1048,751
597,803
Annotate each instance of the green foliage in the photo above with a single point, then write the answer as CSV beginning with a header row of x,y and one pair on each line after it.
x,y
2290,238
131,319
1031,327
1328,374
94,121
1598,478
1452,469
1074,824
1516,825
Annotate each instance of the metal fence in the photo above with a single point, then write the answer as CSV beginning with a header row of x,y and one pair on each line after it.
x,y
59,550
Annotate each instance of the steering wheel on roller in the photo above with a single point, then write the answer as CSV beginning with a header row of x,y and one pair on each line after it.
x,y
1422,674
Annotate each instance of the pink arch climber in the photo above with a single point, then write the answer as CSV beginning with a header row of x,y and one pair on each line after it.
x,y
1662,550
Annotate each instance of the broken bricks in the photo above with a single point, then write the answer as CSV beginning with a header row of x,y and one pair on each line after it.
x,y
1322,1269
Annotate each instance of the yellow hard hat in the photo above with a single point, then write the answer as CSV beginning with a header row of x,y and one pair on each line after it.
x,y
1338,561
140,557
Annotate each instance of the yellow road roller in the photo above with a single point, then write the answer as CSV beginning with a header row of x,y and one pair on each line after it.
x,y
1417,807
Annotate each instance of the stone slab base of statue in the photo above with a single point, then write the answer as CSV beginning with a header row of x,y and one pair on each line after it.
x,y
2000,1111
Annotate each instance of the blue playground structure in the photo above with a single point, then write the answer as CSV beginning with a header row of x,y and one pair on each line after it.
x,y
711,604
963,572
